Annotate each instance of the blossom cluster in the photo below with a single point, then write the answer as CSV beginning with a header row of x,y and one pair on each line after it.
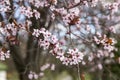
x,y
4,54
5,5
70,17
72,56
48,40
46,66
10,29
28,12
103,53
57,11
34,75
112,6
43,3
39,4
108,43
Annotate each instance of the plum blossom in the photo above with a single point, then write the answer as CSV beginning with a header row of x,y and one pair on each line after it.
x,y
60,56
39,4
100,67
108,43
48,38
36,32
53,67
75,10
44,43
71,19
41,74
53,39
76,1
5,9
73,57
4,54
109,48
44,67
5,5
62,10
96,40
37,14
112,6
112,29
32,75
11,29
90,57
27,11
47,66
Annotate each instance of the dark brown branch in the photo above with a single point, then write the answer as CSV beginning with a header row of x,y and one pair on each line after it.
x,y
75,5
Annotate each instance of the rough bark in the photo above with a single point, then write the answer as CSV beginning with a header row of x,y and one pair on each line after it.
x,y
19,62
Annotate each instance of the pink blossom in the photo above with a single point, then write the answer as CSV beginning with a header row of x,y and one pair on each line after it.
x,y
4,54
27,11
41,74
37,14
44,67
36,33
32,75
53,67
100,66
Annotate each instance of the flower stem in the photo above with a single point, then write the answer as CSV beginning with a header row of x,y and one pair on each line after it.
x,y
78,68
81,75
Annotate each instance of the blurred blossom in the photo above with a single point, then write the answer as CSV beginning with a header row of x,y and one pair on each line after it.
x,y
30,76
4,54
76,1
44,67
52,67
100,66
41,74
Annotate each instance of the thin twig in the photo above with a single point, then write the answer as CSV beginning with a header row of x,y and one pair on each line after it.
x,y
78,71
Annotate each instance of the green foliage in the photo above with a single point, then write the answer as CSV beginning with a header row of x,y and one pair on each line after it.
x,y
3,66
